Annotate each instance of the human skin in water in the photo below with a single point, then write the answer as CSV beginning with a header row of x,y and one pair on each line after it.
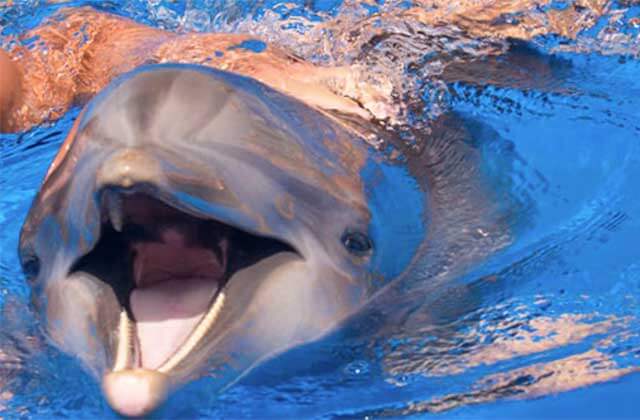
x,y
82,50
65,70
10,89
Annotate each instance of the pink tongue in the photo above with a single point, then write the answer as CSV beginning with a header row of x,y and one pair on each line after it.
x,y
175,286
166,314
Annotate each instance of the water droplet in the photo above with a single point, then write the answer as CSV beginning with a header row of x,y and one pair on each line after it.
x,y
357,368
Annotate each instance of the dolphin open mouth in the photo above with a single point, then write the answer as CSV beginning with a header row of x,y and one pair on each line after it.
x,y
168,269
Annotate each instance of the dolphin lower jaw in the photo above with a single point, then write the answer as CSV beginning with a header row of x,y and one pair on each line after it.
x,y
169,271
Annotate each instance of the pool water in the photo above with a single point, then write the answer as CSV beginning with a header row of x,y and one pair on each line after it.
x,y
544,323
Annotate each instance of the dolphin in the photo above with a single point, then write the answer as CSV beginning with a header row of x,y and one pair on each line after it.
x,y
197,222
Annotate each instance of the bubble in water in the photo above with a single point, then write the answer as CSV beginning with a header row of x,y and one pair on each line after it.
x,y
357,368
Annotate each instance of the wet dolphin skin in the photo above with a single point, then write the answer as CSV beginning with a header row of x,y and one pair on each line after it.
x,y
196,220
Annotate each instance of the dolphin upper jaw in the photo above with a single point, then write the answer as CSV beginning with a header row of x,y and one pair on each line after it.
x,y
128,166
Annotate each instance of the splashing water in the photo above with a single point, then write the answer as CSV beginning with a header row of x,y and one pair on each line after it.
x,y
536,289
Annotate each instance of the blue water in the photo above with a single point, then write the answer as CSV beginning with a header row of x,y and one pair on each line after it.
x,y
556,332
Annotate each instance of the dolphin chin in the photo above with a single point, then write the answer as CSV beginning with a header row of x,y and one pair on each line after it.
x,y
196,222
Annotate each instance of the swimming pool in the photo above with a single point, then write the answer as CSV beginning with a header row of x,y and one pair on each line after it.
x,y
543,324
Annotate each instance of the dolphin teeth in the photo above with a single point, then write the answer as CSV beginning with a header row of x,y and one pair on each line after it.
x,y
205,324
114,209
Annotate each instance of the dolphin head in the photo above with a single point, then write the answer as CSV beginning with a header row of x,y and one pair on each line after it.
x,y
197,222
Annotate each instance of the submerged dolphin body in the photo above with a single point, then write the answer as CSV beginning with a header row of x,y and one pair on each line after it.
x,y
198,221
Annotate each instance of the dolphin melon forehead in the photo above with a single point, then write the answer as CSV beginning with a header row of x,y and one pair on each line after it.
x,y
175,101
207,114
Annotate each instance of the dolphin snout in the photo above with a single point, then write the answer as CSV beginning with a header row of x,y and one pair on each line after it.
x,y
128,167
135,392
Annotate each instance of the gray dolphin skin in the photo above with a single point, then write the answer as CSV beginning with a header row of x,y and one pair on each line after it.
x,y
196,222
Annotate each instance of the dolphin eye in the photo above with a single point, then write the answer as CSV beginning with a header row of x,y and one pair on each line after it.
x,y
357,243
31,266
